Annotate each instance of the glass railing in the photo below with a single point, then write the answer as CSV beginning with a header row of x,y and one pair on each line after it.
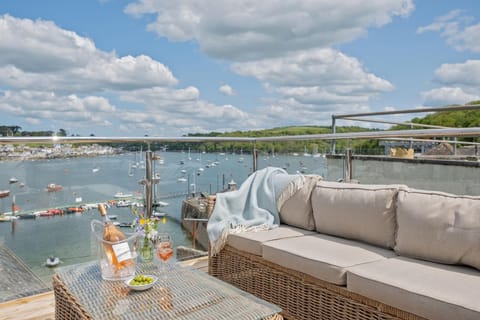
x,y
53,192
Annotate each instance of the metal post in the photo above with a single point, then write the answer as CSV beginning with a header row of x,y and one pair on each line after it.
x,y
148,185
348,165
255,157
334,130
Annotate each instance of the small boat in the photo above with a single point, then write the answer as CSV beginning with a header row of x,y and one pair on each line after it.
x,y
13,180
7,218
162,203
52,261
112,217
95,169
75,209
123,203
4,193
121,195
27,215
46,214
52,187
182,179
125,225
159,214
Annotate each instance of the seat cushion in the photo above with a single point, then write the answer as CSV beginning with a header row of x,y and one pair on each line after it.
x,y
427,289
356,211
251,242
321,256
438,227
294,203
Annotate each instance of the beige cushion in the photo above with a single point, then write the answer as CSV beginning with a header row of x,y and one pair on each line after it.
x,y
439,227
294,203
430,290
251,242
356,211
323,257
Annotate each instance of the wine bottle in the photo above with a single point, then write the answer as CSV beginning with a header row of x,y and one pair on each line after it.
x,y
117,251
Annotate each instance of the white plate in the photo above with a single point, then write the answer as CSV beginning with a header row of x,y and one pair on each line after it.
x,y
143,287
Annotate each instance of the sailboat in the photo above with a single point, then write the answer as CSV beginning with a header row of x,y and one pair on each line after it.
x,y
130,171
241,156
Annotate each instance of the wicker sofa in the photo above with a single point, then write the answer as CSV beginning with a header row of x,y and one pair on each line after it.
x,y
353,251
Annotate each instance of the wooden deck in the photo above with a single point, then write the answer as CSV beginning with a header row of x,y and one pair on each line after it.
x,y
42,306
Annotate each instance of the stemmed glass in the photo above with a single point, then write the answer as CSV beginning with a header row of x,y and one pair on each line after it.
x,y
164,251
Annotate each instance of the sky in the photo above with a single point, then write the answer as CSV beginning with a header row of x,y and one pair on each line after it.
x,y
168,68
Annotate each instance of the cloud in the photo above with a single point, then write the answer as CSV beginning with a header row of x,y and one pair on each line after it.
x,y
38,55
38,106
465,75
227,90
458,31
447,96
319,81
244,30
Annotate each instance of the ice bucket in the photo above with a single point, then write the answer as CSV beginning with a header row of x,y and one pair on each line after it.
x,y
117,259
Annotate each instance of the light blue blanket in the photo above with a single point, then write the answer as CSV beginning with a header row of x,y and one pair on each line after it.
x,y
251,207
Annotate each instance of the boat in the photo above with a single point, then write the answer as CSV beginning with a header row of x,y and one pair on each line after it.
x,y
13,180
8,218
159,214
52,261
123,203
182,179
27,215
112,217
121,195
52,187
4,193
95,169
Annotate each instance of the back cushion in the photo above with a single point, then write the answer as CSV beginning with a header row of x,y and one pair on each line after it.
x,y
294,203
438,227
356,211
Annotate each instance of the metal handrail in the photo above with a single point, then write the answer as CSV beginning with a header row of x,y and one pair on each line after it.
x,y
422,133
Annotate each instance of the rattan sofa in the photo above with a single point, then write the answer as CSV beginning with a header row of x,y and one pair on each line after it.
x,y
353,251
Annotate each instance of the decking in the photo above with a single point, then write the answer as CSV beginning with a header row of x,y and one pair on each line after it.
x,y
42,306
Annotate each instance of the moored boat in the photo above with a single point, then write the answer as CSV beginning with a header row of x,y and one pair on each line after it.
x,y
52,261
121,195
52,187
4,193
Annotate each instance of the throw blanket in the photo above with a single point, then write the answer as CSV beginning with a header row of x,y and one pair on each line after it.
x,y
252,207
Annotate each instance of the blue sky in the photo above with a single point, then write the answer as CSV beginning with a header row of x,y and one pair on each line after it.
x,y
167,68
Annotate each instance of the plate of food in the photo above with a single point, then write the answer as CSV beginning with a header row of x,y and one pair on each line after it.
x,y
141,282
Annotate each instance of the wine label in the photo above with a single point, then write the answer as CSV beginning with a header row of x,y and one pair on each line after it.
x,y
122,251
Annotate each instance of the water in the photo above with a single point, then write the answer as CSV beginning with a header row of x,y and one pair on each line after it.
x,y
69,236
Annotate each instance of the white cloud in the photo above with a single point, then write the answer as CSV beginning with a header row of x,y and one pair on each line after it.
x,y
458,31
243,30
320,81
465,75
38,106
447,96
227,90
38,55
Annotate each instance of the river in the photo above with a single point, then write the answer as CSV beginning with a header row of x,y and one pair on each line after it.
x,y
98,179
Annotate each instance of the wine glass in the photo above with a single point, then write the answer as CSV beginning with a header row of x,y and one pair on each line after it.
x,y
164,251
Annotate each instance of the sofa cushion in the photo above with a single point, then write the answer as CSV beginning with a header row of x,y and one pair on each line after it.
x,y
427,289
323,257
294,203
356,211
438,227
251,242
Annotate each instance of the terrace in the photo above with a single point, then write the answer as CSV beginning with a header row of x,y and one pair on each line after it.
x,y
455,174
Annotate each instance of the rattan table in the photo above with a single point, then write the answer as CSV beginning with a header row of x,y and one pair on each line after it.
x,y
187,293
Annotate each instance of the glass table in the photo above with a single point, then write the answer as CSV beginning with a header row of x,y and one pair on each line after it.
x,y
185,293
